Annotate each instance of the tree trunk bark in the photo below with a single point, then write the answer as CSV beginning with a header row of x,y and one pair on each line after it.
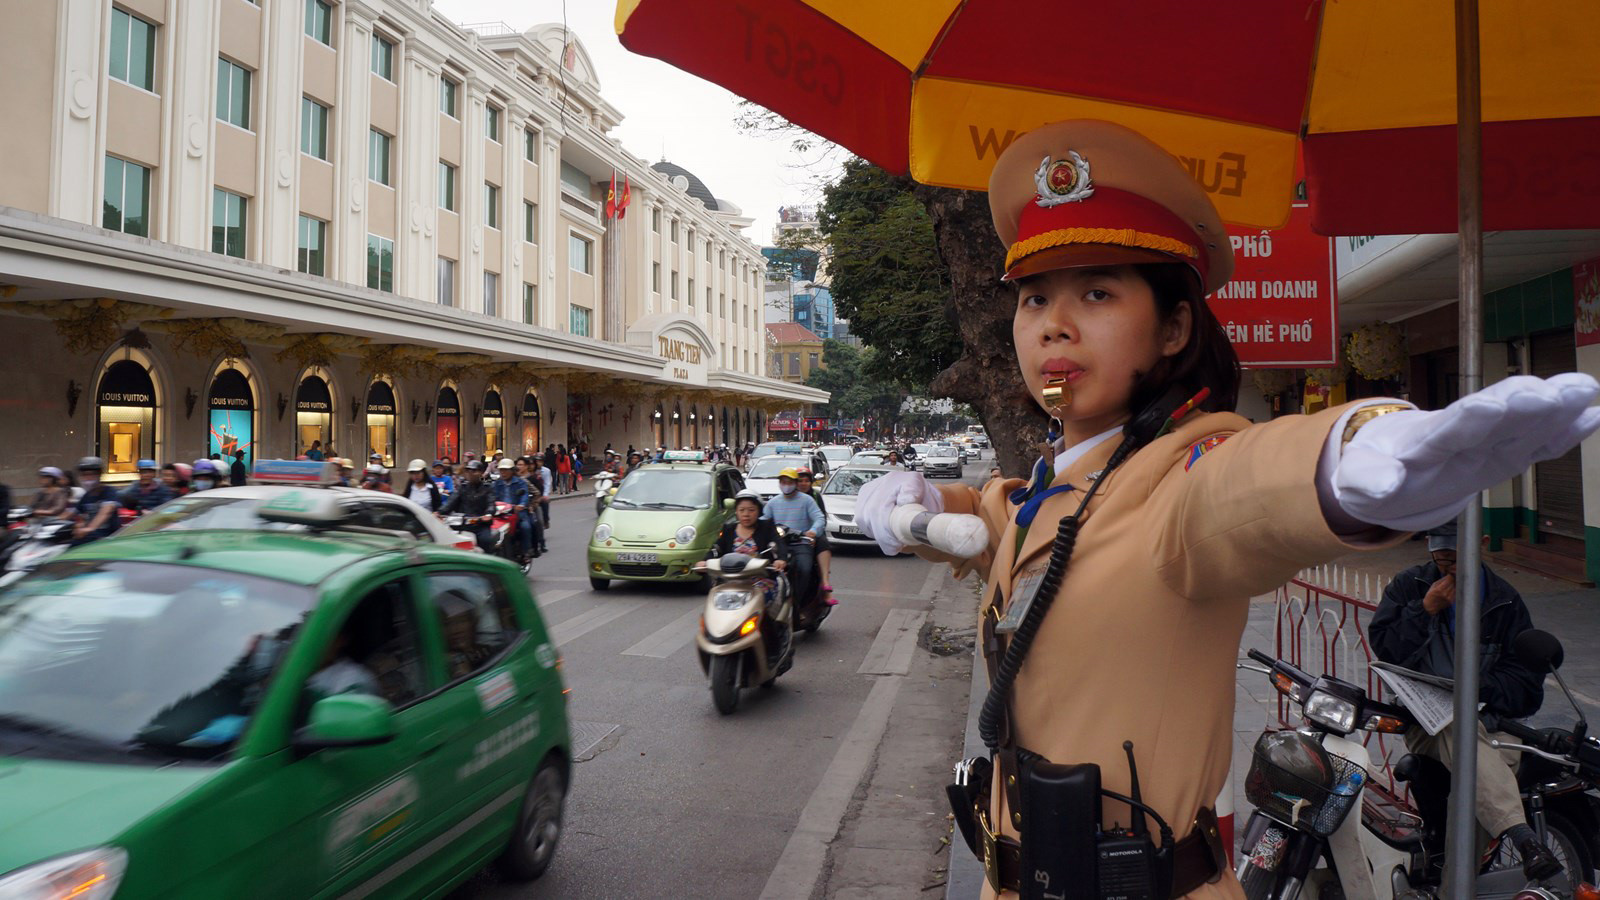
x,y
986,376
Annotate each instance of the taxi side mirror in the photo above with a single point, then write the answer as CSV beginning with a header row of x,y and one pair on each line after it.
x,y
346,720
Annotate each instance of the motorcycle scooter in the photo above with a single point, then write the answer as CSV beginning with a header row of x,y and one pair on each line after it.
x,y
809,607
1302,838
603,483
34,544
503,526
743,640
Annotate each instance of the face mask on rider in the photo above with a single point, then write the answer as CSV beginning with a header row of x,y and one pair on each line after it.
x,y
203,484
787,487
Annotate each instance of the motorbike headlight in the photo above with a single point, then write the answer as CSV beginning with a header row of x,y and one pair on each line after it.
x,y
1333,713
90,875
602,532
686,534
729,599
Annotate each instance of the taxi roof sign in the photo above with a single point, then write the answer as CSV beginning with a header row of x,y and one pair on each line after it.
x,y
313,509
698,456
308,472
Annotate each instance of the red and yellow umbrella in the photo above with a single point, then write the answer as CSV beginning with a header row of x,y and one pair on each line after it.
x,y
938,88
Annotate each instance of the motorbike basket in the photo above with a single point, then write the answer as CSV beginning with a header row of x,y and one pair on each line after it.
x,y
1289,798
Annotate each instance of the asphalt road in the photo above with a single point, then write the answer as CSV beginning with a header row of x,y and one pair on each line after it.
x,y
669,798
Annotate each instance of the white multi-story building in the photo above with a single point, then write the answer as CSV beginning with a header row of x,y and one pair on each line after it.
x,y
353,222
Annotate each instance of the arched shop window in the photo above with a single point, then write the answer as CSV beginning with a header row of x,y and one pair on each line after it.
x,y
380,420
658,428
231,424
494,423
447,426
125,416
313,415
530,424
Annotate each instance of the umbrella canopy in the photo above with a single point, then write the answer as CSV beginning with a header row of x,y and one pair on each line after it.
x,y
938,88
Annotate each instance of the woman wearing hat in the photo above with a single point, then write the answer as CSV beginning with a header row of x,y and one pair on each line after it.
x,y
1172,517
421,489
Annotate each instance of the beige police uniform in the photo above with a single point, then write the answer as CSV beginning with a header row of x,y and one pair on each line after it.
x,y
1143,638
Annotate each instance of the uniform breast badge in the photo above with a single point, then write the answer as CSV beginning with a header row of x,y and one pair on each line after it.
x,y
1201,448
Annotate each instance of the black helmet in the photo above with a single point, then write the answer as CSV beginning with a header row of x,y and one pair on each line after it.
x,y
1297,755
474,465
91,463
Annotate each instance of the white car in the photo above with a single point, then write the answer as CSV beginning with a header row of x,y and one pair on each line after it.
x,y
941,461
763,474
839,496
836,454
235,508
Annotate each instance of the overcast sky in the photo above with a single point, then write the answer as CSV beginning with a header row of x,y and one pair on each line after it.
x,y
667,111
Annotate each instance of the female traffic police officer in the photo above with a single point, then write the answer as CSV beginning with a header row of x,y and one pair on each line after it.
x,y
1113,247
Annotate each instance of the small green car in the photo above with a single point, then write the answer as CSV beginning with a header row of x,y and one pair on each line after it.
x,y
662,520
206,714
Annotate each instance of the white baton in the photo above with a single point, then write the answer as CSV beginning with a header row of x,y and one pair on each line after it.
x,y
957,534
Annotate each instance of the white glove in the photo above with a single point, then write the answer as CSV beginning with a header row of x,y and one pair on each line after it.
x,y
1412,470
881,495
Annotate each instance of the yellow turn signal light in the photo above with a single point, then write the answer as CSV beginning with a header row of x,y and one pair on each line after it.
x,y
749,625
1387,725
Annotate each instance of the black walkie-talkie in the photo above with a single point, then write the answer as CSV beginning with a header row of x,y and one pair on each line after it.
x,y
1128,859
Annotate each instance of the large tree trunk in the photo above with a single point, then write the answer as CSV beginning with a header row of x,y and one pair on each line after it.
x,y
986,376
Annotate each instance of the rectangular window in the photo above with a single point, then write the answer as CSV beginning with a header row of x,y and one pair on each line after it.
x,y
491,205
674,284
319,21
382,58
655,220
445,290
530,221
313,237
708,251
380,263
127,205
530,303
227,223
378,156
794,364
811,361
708,298
722,259
722,306
580,254
233,94
578,320
530,145
491,123
447,186
133,50
491,294
674,231
691,293
655,277
313,128
447,97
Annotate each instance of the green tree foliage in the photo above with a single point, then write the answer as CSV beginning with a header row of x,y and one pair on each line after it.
x,y
857,393
886,275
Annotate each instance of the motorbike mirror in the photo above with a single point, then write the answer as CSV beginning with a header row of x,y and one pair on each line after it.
x,y
1539,649
728,503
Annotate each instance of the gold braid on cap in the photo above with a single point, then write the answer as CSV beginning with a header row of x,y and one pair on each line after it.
x,y
1122,237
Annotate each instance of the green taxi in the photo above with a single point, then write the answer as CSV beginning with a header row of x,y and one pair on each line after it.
x,y
662,519
273,714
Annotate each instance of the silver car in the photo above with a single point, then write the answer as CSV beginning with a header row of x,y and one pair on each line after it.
x,y
942,461
839,496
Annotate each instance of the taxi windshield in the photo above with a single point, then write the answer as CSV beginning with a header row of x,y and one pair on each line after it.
x,y
770,466
849,481
664,489
202,511
116,661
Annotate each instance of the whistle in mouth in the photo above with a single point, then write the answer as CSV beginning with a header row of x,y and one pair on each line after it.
x,y
1057,394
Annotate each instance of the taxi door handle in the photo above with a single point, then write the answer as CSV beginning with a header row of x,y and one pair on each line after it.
x,y
436,739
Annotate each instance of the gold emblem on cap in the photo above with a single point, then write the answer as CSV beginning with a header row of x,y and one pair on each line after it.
x,y
1063,181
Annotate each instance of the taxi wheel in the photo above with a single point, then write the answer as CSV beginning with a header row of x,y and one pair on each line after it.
x,y
533,844
599,584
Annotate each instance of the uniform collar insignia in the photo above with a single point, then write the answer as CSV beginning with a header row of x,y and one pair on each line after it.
x,y
1063,181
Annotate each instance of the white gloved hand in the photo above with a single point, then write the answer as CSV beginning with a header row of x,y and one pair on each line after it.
x,y
1412,470
880,496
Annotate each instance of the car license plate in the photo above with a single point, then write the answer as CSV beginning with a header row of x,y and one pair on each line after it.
x,y
849,529
637,558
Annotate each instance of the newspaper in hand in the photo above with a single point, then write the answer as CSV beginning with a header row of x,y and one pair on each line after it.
x,y
1428,698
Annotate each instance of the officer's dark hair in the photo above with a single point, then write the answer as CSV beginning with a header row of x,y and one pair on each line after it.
x,y
1207,360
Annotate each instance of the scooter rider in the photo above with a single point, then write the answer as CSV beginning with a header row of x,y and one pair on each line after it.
x,y
800,514
513,489
474,500
1415,627
1156,513
97,508
148,493
205,475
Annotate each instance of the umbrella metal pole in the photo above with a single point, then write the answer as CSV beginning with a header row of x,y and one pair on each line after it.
x,y
1461,855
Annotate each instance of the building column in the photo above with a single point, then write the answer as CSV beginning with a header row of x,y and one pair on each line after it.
x,y
416,245
278,131
353,120
550,232
511,273
470,199
189,84
1589,364
77,172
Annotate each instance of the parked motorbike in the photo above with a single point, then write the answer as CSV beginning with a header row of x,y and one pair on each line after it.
x,y
743,640
34,544
503,527
1304,783
603,484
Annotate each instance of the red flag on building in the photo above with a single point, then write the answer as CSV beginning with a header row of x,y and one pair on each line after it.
x,y
611,197
627,194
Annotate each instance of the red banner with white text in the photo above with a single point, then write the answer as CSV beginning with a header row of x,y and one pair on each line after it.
x,y
1281,308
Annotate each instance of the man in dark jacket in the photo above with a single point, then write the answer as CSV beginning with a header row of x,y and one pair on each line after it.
x,y
475,500
1415,628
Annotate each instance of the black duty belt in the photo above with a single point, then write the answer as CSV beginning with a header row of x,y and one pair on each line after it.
x,y
1197,859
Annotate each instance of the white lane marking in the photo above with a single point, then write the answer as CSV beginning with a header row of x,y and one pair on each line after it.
x,y
547,599
669,638
585,622
795,875
890,653
847,593
539,579
935,575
